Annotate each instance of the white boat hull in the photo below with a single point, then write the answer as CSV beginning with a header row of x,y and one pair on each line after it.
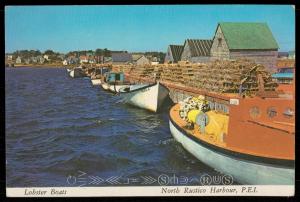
x,y
96,82
72,73
76,73
150,98
242,171
105,86
116,88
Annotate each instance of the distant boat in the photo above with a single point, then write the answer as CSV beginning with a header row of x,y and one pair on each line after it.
x,y
97,75
69,70
114,81
96,82
77,72
146,96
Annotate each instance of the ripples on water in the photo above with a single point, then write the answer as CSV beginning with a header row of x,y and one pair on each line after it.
x,y
57,126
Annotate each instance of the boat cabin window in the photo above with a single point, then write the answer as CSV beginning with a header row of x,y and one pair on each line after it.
x,y
226,109
288,112
271,111
117,77
218,107
211,105
254,112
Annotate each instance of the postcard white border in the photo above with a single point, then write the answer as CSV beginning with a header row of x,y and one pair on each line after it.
x,y
260,190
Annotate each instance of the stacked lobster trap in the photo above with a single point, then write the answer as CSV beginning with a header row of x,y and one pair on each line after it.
x,y
172,73
226,76
142,71
232,77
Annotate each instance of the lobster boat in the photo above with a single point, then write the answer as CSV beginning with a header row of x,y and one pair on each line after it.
x,y
240,124
251,139
96,82
146,96
97,75
77,72
114,81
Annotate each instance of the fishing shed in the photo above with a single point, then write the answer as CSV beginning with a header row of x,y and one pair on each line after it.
x,y
173,53
140,60
196,50
253,41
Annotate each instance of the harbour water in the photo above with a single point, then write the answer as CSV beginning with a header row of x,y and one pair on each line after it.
x,y
60,130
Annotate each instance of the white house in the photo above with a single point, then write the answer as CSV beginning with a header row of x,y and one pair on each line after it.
x,y
92,60
65,62
83,59
9,57
18,60
154,63
46,57
41,59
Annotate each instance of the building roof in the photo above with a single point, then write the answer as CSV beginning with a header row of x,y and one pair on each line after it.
x,y
199,47
135,57
248,36
83,57
121,57
176,51
283,54
119,51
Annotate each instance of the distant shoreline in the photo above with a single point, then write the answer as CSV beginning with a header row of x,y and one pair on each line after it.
x,y
48,65
41,66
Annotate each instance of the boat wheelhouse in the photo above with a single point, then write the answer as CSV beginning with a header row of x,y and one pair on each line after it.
x,y
113,81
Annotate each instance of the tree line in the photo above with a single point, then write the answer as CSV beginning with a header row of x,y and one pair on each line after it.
x,y
98,52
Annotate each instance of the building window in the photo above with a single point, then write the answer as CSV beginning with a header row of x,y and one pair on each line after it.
x,y
219,42
254,112
271,111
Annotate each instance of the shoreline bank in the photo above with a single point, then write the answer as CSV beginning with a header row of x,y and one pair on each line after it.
x,y
43,66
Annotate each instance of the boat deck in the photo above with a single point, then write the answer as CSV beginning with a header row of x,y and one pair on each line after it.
x,y
174,115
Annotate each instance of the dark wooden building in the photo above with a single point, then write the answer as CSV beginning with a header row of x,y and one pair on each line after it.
x,y
196,50
173,53
254,41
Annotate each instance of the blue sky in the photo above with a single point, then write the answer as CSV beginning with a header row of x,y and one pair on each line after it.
x,y
134,28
